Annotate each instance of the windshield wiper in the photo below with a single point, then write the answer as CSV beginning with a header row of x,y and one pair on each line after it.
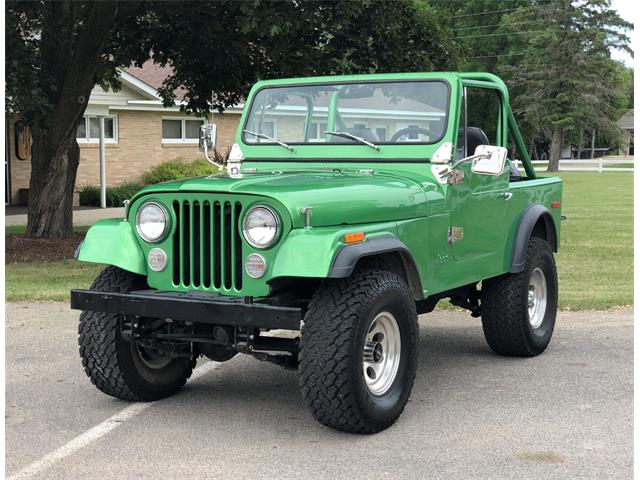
x,y
267,137
354,137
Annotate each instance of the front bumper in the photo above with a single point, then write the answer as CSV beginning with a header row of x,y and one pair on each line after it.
x,y
195,307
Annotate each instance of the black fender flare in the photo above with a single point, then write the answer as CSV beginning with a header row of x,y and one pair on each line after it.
x,y
348,256
529,218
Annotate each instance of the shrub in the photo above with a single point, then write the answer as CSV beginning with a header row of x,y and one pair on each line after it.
x,y
166,171
177,169
90,195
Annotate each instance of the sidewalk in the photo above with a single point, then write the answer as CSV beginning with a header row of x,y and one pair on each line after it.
x,y
81,215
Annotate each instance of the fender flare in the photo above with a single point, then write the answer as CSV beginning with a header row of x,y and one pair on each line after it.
x,y
348,256
529,218
112,242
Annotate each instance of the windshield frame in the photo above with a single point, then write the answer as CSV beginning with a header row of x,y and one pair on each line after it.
x,y
349,82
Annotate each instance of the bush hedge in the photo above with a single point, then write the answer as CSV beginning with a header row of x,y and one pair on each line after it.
x,y
164,172
90,195
176,169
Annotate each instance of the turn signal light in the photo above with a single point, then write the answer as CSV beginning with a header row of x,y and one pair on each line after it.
x,y
354,237
555,204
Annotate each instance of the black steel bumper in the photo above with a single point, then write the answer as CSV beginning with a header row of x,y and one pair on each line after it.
x,y
192,307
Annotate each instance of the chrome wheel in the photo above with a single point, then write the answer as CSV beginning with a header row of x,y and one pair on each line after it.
x,y
381,354
537,297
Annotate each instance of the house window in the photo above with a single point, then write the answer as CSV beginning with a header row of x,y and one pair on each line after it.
x,y
89,129
266,127
316,132
381,132
181,130
411,136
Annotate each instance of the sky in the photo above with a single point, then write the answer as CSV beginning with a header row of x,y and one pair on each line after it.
x,y
627,9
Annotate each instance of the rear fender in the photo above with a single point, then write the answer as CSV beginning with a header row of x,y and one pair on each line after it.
x,y
530,218
113,242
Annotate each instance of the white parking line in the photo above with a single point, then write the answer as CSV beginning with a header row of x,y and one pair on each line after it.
x,y
96,432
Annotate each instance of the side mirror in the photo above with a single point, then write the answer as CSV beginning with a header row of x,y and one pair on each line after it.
x,y
207,137
489,160
207,142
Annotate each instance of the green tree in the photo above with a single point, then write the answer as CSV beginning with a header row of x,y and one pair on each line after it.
x,y
485,45
58,50
565,81
476,26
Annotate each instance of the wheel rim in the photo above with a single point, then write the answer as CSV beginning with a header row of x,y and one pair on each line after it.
x,y
381,354
152,359
537,298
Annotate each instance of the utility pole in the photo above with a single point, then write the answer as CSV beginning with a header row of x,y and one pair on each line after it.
x,y
103,166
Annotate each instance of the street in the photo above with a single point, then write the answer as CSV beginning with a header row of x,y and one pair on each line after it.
x,y
472,414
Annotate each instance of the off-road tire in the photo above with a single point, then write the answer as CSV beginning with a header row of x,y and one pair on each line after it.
x,y
112,363
505,319
331,351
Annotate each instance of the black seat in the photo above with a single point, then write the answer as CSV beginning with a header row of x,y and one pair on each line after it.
x,y
475,137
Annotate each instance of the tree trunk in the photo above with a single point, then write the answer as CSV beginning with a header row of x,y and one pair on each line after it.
x,y
531,145
54,165
70,55
593,143
580,143
557,137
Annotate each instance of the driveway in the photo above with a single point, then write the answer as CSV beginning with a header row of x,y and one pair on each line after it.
x,y
472,414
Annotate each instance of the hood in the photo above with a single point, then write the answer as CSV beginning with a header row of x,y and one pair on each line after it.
x,y
336,198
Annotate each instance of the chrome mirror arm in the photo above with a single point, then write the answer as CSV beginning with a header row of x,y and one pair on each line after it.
x,y
456,164
468,159
207,140
206,155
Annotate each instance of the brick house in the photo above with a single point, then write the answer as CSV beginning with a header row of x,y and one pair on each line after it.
x,y
139,133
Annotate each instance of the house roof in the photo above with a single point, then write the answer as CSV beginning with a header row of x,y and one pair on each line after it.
x,y
141,92
626,121
154,75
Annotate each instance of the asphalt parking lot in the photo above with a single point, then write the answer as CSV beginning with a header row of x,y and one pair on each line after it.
x,y
472,414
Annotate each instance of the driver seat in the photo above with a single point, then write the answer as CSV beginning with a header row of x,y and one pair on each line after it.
x,y
475,137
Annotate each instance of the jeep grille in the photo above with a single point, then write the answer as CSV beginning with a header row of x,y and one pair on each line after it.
x,y
207,248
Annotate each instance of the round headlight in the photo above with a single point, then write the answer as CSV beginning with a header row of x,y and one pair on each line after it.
x,y
152,222
261,227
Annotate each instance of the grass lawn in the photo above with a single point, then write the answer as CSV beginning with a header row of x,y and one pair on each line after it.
x,y
48,280
595,261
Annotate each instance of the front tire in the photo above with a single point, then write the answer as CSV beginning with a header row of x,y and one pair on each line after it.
x,y
358,353
118,367
519,309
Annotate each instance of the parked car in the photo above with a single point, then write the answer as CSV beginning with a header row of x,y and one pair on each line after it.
x,y
350,206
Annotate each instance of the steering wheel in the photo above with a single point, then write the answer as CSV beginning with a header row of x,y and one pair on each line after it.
x,y
409,130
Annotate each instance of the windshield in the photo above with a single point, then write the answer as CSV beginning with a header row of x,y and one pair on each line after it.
x,y
379,113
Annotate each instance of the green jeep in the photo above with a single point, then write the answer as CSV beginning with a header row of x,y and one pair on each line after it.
x,y
351,204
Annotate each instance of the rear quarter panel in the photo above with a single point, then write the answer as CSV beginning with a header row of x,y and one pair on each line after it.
x,y
542,190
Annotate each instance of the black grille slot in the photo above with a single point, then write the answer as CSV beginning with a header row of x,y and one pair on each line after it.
x,y
206,237
238,249
186,244
207,248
